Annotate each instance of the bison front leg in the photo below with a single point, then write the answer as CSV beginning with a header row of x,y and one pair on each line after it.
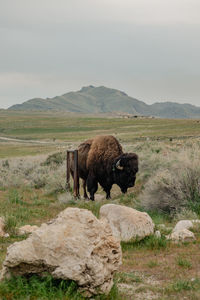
x,y
107,190
108,195
106,185
92,186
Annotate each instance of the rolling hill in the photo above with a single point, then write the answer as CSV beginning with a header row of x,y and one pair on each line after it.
x,y
101,99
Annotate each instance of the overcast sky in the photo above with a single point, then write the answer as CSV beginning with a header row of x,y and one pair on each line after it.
x,y
149,49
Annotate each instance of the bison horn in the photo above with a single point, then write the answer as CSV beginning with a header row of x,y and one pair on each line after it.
x,y
118,165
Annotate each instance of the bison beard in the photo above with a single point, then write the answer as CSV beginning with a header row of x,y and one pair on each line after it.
x,y
101,160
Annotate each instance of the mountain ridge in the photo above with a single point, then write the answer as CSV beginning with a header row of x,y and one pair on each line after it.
x,y
101,99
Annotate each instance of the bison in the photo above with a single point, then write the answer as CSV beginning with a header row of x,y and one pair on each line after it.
x,y
101,160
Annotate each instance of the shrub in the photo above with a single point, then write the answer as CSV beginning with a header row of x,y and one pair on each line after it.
x,y
5,163
30,172
54,159
176,187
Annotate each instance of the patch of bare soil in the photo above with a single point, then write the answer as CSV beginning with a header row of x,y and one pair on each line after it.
x,y
158,271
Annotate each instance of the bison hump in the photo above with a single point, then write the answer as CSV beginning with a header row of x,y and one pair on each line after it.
x,y
103,151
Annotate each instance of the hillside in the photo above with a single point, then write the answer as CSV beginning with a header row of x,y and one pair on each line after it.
x,y
105,100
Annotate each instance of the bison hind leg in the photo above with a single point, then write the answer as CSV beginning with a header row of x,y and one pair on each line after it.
x,y
84,189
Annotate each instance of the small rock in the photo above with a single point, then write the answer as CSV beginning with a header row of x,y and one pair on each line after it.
x,y
157,234
182,235
196,221
183,224
127,223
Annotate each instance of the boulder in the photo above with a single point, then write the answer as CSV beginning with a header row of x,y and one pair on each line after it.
x,y
183,224
127,223
26,229
181,235
75,245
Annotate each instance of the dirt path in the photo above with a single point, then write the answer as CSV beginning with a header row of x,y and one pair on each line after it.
x,y
6,139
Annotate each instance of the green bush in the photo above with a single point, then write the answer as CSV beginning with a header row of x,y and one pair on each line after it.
x,y
54,159
176,187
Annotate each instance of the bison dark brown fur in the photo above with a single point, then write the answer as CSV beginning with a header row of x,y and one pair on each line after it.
x,y
101,160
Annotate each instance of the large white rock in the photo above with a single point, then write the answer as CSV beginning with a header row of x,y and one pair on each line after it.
x,y
127,223
181,235
186,224
75,245
183,224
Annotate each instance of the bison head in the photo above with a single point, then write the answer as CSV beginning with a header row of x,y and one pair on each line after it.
x,y
125,168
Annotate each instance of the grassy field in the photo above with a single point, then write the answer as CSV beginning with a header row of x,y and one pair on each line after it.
x,y
31,193
69,127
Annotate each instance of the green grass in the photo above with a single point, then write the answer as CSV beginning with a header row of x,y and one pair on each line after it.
x,y
38,288
8,150
72,128
131,277
77,127
27,206
184,263
14,197
160,217
152,264
151,242
184,285
46,287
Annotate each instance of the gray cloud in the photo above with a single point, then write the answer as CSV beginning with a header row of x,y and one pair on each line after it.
x,y
147,48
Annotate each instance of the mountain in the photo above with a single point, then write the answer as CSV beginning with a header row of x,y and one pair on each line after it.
x,y
101,99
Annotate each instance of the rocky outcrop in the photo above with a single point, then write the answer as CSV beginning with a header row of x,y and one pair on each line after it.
x,y
75,245
127,223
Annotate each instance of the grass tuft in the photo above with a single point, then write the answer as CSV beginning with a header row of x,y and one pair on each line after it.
x,y
151,242
184,285
184,263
